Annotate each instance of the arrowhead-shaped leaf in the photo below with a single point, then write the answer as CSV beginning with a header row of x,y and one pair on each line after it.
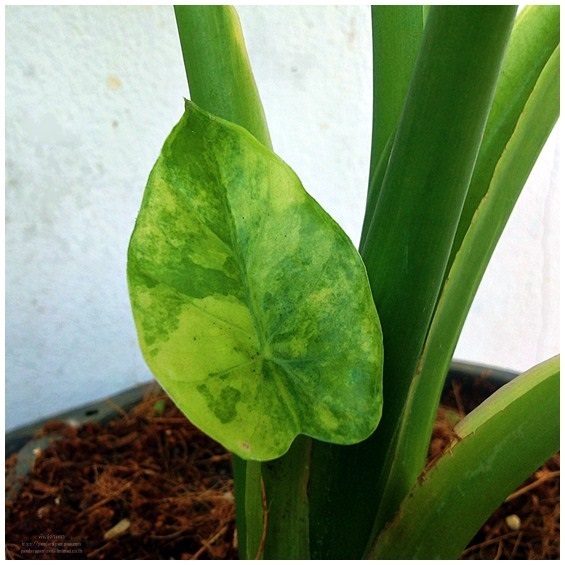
x,y
252,307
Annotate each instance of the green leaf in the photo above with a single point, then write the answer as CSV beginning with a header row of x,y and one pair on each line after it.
x,y
499,445
252,306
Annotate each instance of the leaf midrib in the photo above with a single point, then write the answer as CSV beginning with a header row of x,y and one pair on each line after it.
x,y
240,261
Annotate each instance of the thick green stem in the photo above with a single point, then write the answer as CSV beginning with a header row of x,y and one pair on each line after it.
x,y
539,114
496,449
221,81
286,485
217,67
534,39
431,164
397,34
249,507
409,240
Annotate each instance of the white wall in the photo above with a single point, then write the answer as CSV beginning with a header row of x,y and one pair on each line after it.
x,y
91,93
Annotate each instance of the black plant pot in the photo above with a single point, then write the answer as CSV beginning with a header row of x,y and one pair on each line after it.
x,y
101,411
104,410
463,382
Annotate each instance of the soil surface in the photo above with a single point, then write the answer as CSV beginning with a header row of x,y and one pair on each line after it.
x,y
148,485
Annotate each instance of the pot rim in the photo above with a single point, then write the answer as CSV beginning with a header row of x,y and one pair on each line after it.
x,y
101,411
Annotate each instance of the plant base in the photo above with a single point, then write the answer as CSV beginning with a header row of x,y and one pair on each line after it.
x,y
148,485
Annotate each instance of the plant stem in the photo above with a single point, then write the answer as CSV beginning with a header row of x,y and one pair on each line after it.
x,y
397,34
221,81
423,191
534,39
286,484
409,240
217,67
497,448
271,498
408,454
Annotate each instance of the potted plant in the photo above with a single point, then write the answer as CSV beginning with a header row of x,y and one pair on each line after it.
x,y
257,314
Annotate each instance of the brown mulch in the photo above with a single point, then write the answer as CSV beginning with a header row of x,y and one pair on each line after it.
x,y
149,472
148,485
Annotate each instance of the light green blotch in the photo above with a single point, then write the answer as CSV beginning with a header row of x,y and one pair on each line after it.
x,y
266,205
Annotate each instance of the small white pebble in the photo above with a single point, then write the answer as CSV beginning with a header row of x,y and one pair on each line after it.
x,y
513,522
119,529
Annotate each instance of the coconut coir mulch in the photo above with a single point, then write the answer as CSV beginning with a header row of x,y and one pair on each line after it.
x,y
148,485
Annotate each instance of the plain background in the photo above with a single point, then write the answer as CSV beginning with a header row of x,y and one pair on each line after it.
x,y
92,92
